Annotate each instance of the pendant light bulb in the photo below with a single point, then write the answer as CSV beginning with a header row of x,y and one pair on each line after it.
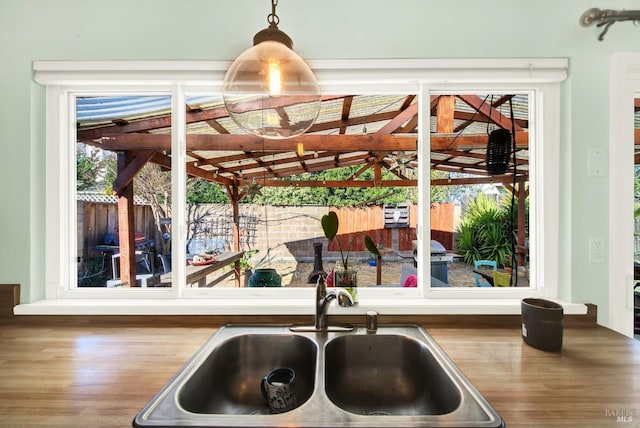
x,y
269,90
275,79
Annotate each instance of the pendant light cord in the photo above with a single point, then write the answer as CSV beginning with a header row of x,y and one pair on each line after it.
x,y
489,121
272,18
513,231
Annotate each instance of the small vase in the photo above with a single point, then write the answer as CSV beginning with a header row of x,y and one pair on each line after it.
x,y
347,279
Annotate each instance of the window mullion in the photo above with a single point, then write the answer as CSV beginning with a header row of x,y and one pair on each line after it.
x,y
424,188
178,188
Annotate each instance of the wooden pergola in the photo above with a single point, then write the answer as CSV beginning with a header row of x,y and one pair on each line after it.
x,y
372,132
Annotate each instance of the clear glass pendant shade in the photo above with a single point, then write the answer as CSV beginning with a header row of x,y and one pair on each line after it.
x,y
271,92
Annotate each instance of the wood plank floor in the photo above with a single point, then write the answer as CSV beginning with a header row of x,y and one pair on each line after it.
x,y
70,374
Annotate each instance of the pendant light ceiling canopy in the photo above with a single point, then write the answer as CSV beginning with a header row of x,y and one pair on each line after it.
x,y
269,90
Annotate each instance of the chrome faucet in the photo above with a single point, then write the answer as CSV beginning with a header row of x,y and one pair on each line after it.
x,y
323,297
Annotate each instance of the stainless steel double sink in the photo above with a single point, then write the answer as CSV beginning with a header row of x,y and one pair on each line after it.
x,y
397,376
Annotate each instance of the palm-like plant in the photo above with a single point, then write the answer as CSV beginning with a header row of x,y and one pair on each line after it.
x,y
485,233
467,243
495,242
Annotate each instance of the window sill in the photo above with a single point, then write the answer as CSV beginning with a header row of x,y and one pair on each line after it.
x,y
282,307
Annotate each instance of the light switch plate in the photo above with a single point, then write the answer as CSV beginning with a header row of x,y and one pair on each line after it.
x,y
596,163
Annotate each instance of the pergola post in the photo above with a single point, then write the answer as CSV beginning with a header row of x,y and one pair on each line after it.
x,y
445,114
234,195
521,223
126,225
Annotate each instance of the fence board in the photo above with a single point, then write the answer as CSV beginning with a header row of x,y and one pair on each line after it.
x,y
89,225
97,219
112,219
406,237
442,223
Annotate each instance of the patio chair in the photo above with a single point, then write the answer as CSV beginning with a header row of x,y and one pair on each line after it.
x,y
142,267
501,279
481,282
165,261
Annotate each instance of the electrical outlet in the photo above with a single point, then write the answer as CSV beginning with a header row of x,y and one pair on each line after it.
x,y
596,250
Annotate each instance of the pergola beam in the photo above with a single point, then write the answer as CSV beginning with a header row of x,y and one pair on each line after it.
x,y
193,171
138,160
337,143
489,111
502,179
346,112
506,178
398,120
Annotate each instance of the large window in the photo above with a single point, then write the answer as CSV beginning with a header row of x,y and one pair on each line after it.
x,y
156,178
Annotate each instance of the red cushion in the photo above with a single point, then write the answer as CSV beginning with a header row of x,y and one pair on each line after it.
x,y
411,281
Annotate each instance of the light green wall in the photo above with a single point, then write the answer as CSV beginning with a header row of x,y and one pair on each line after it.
x,y
329,29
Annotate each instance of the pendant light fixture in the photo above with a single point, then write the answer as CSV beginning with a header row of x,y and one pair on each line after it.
x,y
498,151
269,90
498,148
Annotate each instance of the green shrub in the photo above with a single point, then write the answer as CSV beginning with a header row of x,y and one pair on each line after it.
x,y
484,233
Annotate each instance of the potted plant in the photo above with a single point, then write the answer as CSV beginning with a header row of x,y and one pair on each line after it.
x,y
344,276
245,266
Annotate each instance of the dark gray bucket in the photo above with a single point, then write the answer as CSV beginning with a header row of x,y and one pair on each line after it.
x,y
542,324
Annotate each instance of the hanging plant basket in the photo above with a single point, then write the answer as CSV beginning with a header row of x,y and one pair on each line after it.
x,y
498,151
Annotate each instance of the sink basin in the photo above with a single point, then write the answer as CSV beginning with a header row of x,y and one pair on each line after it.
x,y
387,375
227,381
398,376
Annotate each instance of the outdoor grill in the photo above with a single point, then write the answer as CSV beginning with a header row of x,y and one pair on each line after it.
x,y
439,260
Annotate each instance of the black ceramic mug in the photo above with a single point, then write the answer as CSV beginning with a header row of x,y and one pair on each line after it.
x,y
542,324
279,390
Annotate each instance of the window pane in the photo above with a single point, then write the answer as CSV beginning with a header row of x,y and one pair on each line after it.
x,y
479,190
283,188
212,251
123,191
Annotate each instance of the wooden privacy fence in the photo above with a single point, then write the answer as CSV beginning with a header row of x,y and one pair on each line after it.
x,y
355,223
95,220
442,223
291,231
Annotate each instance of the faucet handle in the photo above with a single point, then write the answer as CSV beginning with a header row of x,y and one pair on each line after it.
x,y
344,299
322,280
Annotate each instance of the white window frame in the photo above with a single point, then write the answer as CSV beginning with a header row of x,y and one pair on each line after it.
x,y
541,78
625,87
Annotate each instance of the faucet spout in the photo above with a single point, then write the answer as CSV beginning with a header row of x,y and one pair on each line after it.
x,y
323,297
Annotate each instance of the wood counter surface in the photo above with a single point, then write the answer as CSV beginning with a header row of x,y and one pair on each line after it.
x,y
78,372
